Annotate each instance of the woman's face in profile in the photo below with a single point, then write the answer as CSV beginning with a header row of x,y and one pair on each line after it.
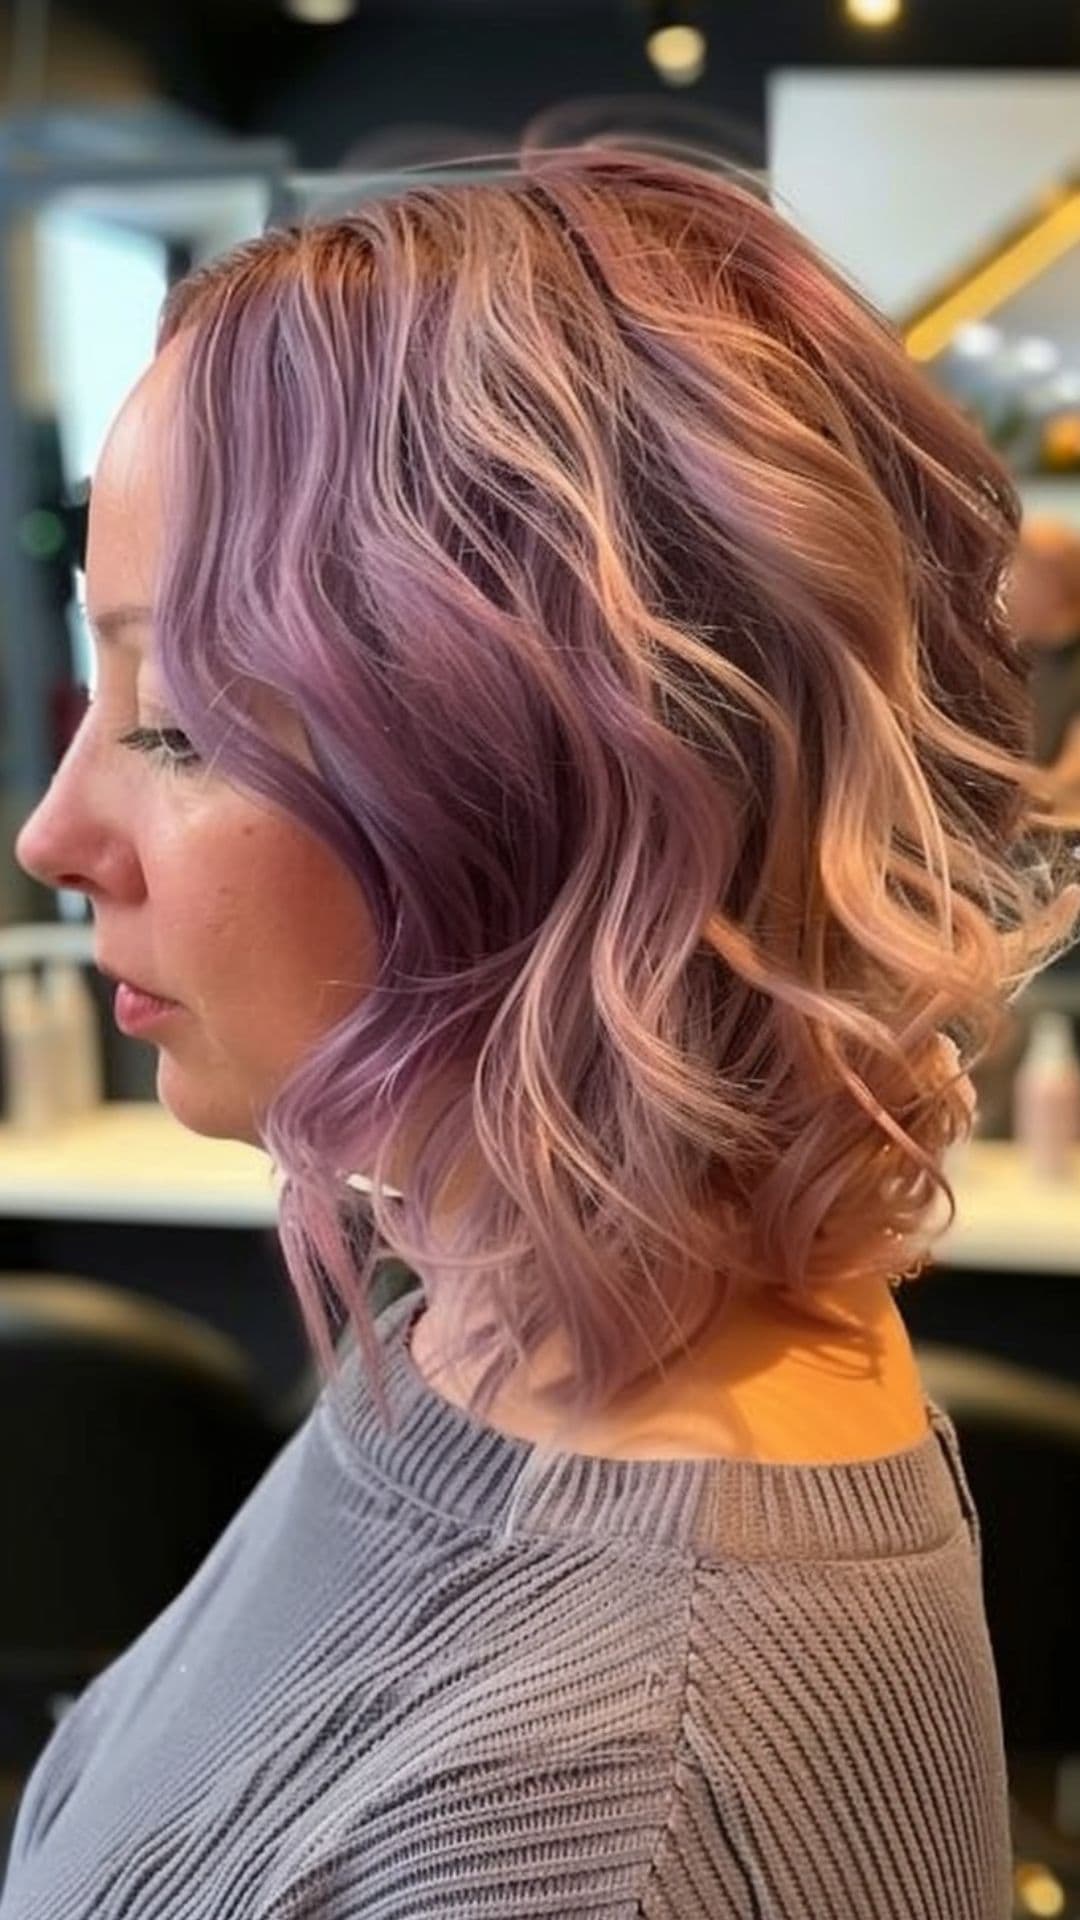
x,y
203,894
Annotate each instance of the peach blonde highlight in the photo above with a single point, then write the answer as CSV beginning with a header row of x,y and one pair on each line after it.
x,y
642,603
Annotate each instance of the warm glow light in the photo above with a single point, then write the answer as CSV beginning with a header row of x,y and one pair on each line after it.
x,y
320,13
1061,443
678,54
873,13
1039,1891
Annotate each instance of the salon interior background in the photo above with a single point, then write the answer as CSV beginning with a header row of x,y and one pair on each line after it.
x,y
380,81
366,86
909,144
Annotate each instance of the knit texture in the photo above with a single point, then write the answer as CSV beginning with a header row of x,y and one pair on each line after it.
x,y
438,1673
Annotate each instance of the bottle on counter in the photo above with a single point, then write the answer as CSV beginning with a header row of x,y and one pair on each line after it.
x,y
27,1036
1046,1096
79,1066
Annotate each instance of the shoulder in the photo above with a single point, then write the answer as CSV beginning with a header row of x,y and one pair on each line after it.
x,y
785,1388
842,1391
842,1743
787,1761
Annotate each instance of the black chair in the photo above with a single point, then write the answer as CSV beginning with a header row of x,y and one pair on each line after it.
x,y
130,1433
1019,1434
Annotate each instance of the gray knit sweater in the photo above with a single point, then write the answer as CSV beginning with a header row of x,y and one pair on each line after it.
x,y
436,1674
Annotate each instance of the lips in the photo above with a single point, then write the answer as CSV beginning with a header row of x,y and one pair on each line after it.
x,y
125,980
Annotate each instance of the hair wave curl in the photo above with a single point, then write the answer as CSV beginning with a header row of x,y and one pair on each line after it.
x,y
643,606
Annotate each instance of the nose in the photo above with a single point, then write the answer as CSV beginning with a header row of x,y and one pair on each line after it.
x,y
69,839
35,852
44,847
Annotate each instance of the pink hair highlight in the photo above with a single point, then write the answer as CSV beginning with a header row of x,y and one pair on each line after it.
x,y
642,604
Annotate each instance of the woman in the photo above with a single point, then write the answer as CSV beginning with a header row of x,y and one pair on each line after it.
x,y
1043,596
557,758
1044,605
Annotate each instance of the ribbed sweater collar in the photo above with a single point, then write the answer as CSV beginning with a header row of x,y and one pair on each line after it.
x,y
440,1458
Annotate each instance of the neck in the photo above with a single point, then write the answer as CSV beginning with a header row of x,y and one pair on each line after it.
x,y
766,1378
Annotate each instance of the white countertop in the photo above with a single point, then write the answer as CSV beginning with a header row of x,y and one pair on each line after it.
x,y
1005,1216
131,1160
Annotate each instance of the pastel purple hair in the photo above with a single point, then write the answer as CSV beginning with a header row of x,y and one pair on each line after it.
x,y
643,606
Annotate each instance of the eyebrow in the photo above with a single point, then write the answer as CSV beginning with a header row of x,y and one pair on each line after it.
x,y
110,624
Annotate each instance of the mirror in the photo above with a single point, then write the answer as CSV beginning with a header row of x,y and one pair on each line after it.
x,y
84,264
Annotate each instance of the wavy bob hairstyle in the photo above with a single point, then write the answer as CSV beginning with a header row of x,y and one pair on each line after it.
x,y
643,605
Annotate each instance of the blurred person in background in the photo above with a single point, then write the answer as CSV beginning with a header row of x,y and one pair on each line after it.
x,y
542,625
1044,606
1043,596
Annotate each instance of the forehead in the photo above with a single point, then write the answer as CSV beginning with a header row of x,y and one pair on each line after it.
x,y
124,520
119,627
132,453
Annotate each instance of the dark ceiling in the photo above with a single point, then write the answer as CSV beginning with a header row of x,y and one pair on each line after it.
x,y
488,66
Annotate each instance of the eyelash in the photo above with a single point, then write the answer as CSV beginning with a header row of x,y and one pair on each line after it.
x,y
151,740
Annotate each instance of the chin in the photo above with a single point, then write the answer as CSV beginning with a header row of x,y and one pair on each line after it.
x,y
218,1111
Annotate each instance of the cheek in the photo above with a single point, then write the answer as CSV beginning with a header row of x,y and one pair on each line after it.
x,y
265,939
286,945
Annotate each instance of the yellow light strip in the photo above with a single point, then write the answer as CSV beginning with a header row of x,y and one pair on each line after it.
x,y
1005,274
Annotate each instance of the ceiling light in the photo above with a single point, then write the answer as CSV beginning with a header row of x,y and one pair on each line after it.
x,y
976,340
873,13
678,54
320,13
1033,355
1064,386
675,40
